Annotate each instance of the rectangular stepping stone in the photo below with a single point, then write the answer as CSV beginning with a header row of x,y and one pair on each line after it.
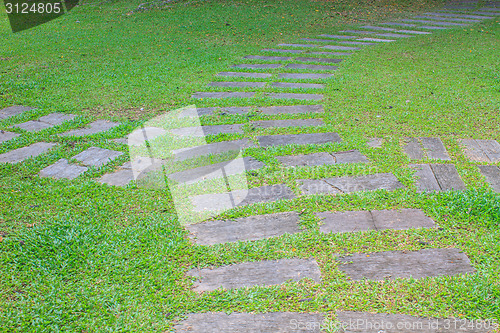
x,y
355,43
414,32
378,40
97,157
298,139
21,154
365,322
211,148
224,201
312,67
400,24
308,76
260,273
437,177
222,110
358,32
348,184
287,123
482,150
230,94
433,28
325,60
243,74
121,177
332,53
436,23
323,158
460,15
338,36
340,48
282,50
299,45
214,171
355,221
207,130
244,229
44,122
267,58
93,128
235,84
405,264
293,109
492,175
62,169
371,27
12,111
257,66
394,35
431,148
314,97
6,136
318,40
220,322
446,19
297,85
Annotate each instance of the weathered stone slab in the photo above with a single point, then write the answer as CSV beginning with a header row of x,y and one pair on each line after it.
x,y
299,45
446,19
372,27
312,67
6,136
348,184
338,36
211,148
97,157
365,322
332,53
400,24
244,74
438,177
282,50
492,175
354,221
214,171
358,32
308,76
355,43
44,122
62,169
299,139
93,128
287,123
389,34
21,154
377,40
230,94
431,148
292,109
297,85
270,58
436,22
323,158
222,110
263,194
12,111
340,48
121,177
207,130
283,322
414,32
244,229
430,27
460,15
325,60
257,66
259,273
405,264
313,97
235,84
482,150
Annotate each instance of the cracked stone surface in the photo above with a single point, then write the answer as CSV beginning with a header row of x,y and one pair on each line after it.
x,y
492,175
220,322
236,84
44,122
313,97
437,177
218,201
97,157
299,139
312,67
355,221
482,150
12,111
21,154
244,229
348,184
207,130
62,169
93,128
292,109
323,158
297,85
259,273
405,264
420,148
6,136
304,76
287,123
230,94
244,74
211,148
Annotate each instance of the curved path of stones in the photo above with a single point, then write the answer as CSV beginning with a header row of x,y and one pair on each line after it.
x,y
313,59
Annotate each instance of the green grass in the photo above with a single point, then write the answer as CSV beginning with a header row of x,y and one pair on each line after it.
x,y
77,256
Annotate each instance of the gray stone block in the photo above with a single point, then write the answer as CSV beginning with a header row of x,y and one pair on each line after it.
x,y
405,264
12,111
340,48
394,35
297,85
312,97
354,221
269,58
263,194
97,157
6,136
492,175
244,74
282,50
207,130
400,24
355,43
283,322
298,76
235,84
93,128
436,23
62,169
348,184
211,148
431,148
287,123
338,36
482,150
325,60
44,122
292,109
323,159
231,94
299,139
121,177
244,229
222,110
437,177
414,32
21,154
377,40
258,66
332,53
446,19
299,45
312,67
364,32
430,27
319,40
259,273
351,156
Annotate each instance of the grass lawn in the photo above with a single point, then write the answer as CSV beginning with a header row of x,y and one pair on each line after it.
x,y
77,256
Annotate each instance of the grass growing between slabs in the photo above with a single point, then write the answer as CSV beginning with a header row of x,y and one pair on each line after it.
x,y
80,256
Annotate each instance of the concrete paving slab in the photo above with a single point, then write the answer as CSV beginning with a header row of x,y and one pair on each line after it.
x,y
97,157
304,76
230,94
93,128
21,154
245,74
236,84
6,136
12,111
291,85
492,175
62,169
307,97
287,123
292,109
